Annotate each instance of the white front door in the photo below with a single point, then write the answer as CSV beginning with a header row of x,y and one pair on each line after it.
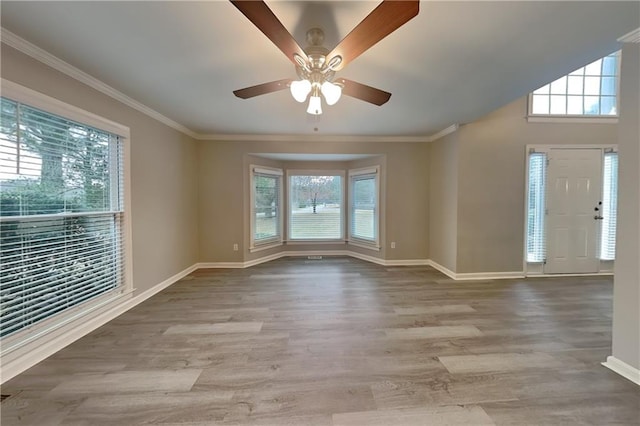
x,y
574,185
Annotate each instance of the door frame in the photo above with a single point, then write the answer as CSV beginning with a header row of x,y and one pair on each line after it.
x,y
537,269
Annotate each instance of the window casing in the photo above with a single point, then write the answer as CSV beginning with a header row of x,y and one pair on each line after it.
x,y
64,223
316,205
364,190
590,91
266,207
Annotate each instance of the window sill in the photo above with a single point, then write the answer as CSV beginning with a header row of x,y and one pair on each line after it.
x,y
265,246
299,242
572,119
364,244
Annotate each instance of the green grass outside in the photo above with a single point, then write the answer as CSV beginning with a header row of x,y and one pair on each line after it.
x,y
324,224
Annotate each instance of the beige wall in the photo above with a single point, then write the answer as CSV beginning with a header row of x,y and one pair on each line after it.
x,y
491,179
443,201
163,172
224,174
626,291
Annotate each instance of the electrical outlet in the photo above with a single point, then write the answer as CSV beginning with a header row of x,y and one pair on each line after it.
x,y
393,244
235,247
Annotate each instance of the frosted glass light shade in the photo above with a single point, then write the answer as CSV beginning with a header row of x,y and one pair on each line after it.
x,y
331,92
315,105
300,89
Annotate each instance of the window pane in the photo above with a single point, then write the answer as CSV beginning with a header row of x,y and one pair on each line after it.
x,y
609,206
267,216
610,65
592,85
574,105
315,207
608,86
575,84
535,208
594,68
544,90
608,105
592,105
559,87
364,204
558,104
579,71
540,104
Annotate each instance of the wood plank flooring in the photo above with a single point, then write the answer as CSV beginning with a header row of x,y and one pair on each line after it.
x,y
339,341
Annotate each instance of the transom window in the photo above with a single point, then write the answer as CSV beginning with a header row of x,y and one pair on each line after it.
x,y
588,91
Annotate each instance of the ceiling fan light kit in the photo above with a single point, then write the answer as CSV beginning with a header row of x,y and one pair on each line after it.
x,y
316,73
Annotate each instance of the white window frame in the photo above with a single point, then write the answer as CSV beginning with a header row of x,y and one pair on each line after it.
x,y
277,240
327,172
577,118
23,343
355,175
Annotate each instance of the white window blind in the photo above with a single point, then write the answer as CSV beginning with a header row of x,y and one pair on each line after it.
x,y
61,216
609,206
536,208
363,223
316,207
267,216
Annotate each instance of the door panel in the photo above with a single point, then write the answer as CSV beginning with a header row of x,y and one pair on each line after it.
x,y
573,192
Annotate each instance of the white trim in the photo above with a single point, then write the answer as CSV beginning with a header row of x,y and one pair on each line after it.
x,y
365,171
623,369
589,274
489,275
224,265
435,265
265,246
408,262
572,119
467,276
56,63
32,98
631,37
314,242
311,138
363,244
444,132
29,355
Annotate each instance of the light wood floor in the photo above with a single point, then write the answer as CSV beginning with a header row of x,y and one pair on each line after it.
x,y
340,342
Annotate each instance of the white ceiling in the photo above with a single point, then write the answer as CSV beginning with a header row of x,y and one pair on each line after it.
x,y
453,63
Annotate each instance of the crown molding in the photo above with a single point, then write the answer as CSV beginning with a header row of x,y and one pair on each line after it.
x,y
631,37
324,138
309,138
39,54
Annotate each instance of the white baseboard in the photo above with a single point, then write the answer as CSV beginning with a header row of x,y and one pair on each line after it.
x,y
448,272
304,253
25,357
623,369
467,276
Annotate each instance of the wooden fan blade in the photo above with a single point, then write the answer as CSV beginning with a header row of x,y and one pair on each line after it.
x,y
382,21
363,92
263,18
262,89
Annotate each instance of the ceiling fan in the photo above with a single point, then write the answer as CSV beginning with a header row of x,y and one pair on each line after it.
x,y
316,66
